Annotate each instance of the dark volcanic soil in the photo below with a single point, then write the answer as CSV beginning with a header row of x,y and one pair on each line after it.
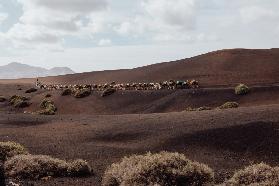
x,y
225,140
103,130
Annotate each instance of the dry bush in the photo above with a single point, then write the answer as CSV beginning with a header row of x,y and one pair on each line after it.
x,y
2,99
10,149
31,90
48,108
241,89
168,169
108,92
66,92
229,105
38,166
19,101
82,93
259,174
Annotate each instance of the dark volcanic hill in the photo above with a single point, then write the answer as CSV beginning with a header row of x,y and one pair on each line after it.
x,y
18,70
222,67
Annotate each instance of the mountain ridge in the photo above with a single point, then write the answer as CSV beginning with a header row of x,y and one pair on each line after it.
x,y
16,70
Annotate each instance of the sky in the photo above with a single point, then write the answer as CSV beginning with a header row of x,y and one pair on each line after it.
x,y
93,35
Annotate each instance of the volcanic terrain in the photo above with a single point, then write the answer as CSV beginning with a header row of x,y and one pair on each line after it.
x,y
102,130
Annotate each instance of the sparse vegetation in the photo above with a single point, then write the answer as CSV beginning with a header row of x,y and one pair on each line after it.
x,y
169,169
82,93
260,174
31,90
10,149
66,92
241,89
19,101
2,99
48,108
229,105
108,92
38,166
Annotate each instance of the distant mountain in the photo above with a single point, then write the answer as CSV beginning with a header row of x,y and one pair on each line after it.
x,y
17,70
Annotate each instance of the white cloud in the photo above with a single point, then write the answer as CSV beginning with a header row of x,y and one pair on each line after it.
x,y
47,22
3,17
104,42
164,20
254,13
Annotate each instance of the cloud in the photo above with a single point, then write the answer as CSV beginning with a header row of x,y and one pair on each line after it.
x,y
48,22
163,20
3,17
105,42
254,13
78,6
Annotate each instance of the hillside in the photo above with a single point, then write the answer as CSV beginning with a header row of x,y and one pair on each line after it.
x,y
215,68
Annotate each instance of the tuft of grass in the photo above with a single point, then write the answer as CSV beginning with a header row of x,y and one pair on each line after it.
x,y
10,149
31,90
259,174
229,105
66,92
108,92
241,89
82,93
165,168
38,166
48,108
2,99
19,101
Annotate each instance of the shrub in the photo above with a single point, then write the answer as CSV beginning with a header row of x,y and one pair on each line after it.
x,y
66,92
108,92
38,166
82,93
31,90
10,149
229,105
19,101
170,169
241,89
259,174
2,99
48,108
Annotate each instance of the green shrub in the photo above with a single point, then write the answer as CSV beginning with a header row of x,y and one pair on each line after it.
x,y
108,92
66,92
241,89
2,99
168,169
229,105
19,101
31,90
48,108
260,174
38,166
82,93
10,149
